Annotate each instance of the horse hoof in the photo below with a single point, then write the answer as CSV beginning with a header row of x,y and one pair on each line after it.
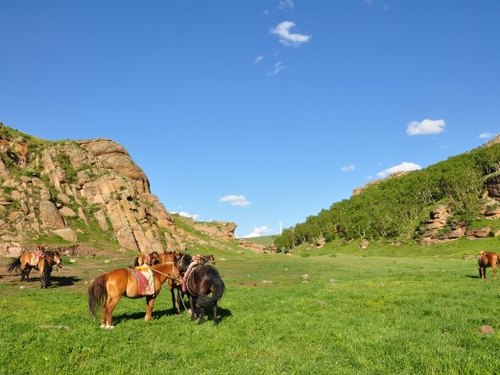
x,y
110,327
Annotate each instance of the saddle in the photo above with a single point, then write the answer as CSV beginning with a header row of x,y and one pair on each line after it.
x,y
145,280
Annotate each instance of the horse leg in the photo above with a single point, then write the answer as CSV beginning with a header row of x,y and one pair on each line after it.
x,y
107,319
180,299
215,313
201,313
150,302
192,305
176,307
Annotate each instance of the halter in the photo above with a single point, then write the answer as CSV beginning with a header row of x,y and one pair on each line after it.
x,y
164,274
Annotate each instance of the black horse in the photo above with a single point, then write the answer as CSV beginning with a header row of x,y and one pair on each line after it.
x,y
204,287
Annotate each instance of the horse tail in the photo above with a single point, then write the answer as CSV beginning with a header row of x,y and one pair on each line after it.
x,y
217,292
15,264
97,294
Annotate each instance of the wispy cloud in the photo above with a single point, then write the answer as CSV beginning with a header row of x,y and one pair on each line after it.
x,y
284,4
188,215
258,59
486,135
259,231
348,168
369,2
235,200
278,67
286,37
403,167
425,127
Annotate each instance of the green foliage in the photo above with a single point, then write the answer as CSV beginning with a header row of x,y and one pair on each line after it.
x,y
393,208
65,163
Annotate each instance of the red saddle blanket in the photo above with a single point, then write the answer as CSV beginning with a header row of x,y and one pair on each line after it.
x,y
145,282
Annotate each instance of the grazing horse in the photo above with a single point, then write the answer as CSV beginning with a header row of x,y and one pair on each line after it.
x,y
487,259
201,282
107,290
41,259
149,259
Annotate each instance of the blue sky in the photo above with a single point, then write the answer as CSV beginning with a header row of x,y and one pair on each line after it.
x,y
257,112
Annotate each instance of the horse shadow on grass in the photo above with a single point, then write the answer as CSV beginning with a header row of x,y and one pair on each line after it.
x,y
61,281
157,314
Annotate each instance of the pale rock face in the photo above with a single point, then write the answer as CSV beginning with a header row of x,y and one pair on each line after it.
x,y
49,215
66,233
94,181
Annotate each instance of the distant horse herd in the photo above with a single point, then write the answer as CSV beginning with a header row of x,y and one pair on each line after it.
x,y
199,281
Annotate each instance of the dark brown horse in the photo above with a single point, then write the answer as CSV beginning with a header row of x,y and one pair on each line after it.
x,y
107,290
487,259
41,260
204,287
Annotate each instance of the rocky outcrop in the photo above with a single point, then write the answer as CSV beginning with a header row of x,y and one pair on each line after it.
x,y
223,231
257,248
66,189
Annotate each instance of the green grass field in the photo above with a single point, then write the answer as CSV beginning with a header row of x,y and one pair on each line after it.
x,y
331,312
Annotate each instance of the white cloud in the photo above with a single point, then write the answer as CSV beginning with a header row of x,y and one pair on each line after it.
x,y
403,167
188,215
425,127
278,67
369,2
348,168
259,231
282,30
258,59
235,200
287,4
486,135
265,12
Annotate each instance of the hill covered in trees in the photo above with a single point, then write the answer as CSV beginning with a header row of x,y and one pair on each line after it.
x,y
451,199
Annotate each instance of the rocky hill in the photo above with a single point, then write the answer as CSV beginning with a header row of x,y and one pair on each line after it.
x,y
87,191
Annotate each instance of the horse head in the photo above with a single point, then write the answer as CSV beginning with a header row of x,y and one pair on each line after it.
x,y
55,257
182,262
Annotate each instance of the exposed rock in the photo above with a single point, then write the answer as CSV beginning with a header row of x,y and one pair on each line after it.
x,y
486,330
220,230
493,187
67,234
67,212
478,233
363,245
256,248
96,181
4,172
319,243
49,215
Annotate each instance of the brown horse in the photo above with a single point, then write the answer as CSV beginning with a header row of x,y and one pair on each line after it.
x,y
149,259
202,281
487,259
41,260
107,290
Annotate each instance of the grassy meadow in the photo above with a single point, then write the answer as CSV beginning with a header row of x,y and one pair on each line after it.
x,y
326,311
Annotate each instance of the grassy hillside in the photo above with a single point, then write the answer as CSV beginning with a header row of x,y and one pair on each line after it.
x,y
349,313
263,240
396,207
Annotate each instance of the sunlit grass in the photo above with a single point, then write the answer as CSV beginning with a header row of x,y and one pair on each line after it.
x,y
342,314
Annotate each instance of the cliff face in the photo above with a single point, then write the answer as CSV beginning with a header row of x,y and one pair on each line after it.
x,y
77,189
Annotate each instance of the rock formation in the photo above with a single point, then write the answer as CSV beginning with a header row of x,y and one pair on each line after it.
x,y
72,189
